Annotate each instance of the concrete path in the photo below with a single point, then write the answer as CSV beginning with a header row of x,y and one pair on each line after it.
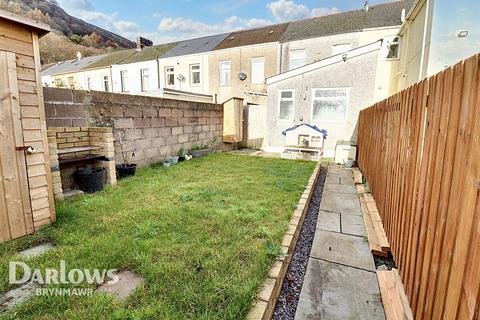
x,y
340,282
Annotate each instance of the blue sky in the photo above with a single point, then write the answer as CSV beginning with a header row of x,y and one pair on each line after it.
x,y
172,20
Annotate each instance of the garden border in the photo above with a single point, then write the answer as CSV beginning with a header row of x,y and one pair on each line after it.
x,y
270,290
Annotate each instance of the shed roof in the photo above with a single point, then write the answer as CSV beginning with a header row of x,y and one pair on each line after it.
x,y
198,45
70,65
149,53
40,27
266,34
311,126
377,16
110,59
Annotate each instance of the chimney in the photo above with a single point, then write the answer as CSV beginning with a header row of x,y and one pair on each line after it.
x,y
365,6
143,42
79,55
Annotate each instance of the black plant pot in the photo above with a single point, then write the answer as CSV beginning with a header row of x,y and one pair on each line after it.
x,y
90,179
181,159
126,170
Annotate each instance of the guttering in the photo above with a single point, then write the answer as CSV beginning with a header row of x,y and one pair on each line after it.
x,y
424,40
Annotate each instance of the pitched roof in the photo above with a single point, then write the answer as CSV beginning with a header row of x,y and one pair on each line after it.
x,y
266,34
149,53
377,16
314,127
198,45
70,65
111,58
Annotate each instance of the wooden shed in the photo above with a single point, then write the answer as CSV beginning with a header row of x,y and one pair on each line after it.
x,y
26,197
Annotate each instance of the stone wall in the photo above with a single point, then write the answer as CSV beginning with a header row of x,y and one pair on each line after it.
x,y
153,128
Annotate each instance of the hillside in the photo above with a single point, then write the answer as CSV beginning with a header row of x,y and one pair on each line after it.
x,y
69,34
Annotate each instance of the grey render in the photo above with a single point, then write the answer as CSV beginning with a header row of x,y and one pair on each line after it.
x,y
357,74
194,46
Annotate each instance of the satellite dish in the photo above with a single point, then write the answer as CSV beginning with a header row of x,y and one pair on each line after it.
x,y
242,76
180,78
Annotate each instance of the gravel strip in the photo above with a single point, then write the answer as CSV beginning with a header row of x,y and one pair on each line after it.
x,y
292,285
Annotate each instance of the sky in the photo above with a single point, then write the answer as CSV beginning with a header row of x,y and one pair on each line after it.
x,y
171,20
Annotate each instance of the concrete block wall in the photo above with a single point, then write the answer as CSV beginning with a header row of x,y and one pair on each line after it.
x,y
152,128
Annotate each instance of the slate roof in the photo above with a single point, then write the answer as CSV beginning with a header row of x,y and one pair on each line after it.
x,y
149,53
266,34
71,65
380,15
314,127
111,58
198,45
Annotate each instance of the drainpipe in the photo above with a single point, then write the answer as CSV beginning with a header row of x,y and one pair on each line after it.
x,y
111,79
158,73
424,40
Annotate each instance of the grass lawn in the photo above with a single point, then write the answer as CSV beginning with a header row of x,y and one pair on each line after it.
x,y
202,234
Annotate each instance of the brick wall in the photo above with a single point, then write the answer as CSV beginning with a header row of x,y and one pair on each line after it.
x,y
153,128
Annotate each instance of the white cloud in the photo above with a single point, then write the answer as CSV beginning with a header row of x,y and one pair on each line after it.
x,y
287,10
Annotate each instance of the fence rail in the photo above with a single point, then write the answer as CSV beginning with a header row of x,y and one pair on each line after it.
x,y
420,152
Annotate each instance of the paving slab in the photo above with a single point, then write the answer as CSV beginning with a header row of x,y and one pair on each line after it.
x,y
36,251
17,296
340,188
329,221
128,282
353,224
335,292
342,248
344,203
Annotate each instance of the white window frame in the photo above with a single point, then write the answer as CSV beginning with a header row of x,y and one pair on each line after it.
x,y
253,62
291,55
399,47
199,70
88,83
106,83
123,80
144,77
326,89
280,99
220,69
167,74
337,45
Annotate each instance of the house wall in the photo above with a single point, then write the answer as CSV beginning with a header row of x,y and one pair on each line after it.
x,y
153,127
240,58
134,85
358,74
321,48
20,43
80,79
181,65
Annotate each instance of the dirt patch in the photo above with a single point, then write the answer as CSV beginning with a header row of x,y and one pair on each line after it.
x,y
292,285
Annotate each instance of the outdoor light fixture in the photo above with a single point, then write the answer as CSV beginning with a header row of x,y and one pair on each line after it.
x,y
344,57
462,33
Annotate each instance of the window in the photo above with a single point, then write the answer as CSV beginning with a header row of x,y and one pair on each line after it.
x,y
330,105
123,80
258,70
297,59
340,48
144,76
286,104
392,47
316,141
170,76
71,82
194,74
88,83
225,73
106,84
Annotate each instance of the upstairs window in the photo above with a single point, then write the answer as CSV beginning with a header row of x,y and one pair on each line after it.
x,y
393,48
88,83
145,79
195,74
170,76
225,73
340,48
123,80
330,105
258,70
297,59
286,105
71,82
106,83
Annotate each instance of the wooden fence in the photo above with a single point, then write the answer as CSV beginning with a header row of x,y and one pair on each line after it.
x,y
420,152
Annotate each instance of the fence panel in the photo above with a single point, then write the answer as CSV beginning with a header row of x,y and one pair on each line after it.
x,y
420,152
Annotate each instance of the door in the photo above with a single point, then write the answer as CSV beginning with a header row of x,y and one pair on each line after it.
x,y
15,208
256,124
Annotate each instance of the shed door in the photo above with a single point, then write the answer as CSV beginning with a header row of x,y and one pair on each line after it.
x,y
15,207
255,131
